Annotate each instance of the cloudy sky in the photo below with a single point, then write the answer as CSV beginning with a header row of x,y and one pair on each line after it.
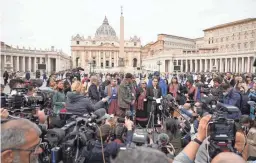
x,y
43,23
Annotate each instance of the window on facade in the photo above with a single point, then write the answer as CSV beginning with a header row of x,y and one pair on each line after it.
x,y
112,43
227,46
245,35
37,60
238,45
93,42
101,64
135,43
233,37
43,60
107,63
238,37
77,42
94,62
245,45
212,40
233,46
252,44
101,43
221,40
217,40
113,65
253,34
209,41
227,38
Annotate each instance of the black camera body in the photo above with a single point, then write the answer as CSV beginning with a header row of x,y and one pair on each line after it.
x,y
222,129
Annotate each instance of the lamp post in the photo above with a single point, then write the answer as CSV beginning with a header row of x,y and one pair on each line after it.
x,y
159,63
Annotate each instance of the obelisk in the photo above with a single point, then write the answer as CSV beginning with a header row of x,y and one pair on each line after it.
x,y
121,45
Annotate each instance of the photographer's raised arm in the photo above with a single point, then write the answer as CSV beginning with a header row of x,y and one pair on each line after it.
x,y
188,154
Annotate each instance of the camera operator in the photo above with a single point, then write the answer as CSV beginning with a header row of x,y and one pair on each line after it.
x,y
103,150
20,141
190,152
78,104
202,154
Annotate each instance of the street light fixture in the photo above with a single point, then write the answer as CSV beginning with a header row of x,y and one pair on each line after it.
x,y
159,63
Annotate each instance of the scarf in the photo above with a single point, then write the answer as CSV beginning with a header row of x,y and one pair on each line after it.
x,y
141,100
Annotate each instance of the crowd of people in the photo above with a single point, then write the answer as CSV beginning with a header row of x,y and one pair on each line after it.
x,y
119,94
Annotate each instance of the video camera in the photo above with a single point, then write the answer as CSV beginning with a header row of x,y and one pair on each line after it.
x,y
67,142
223,129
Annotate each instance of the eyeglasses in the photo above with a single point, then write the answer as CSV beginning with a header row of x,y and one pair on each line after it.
x,y
33,149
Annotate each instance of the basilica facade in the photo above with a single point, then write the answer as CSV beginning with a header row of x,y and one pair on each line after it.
x,y
105,51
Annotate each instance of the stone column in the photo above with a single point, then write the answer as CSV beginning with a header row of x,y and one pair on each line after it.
x,y
18,63
242,69
248,64
210,65
191,65
11,59
49,64
110,59
104,59
237,66
181,67
226,65
35,66
83,59
186,63
29,64
4,59
196,65
201,65
24,63
206,65
171,66
231,64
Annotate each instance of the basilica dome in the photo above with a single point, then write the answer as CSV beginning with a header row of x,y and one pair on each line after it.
x,y
105,31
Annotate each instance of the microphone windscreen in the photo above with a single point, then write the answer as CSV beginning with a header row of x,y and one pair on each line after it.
x,y
100,112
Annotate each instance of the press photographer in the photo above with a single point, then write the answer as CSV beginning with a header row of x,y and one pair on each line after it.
x,y
194,149
103,150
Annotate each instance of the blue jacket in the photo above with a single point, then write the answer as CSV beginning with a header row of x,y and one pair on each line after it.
x,y
161,84
110,150
233,98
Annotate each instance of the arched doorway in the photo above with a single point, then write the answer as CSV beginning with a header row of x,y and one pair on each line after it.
x,y
134,62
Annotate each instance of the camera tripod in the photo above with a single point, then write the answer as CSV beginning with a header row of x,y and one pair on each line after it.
x,y
151,121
